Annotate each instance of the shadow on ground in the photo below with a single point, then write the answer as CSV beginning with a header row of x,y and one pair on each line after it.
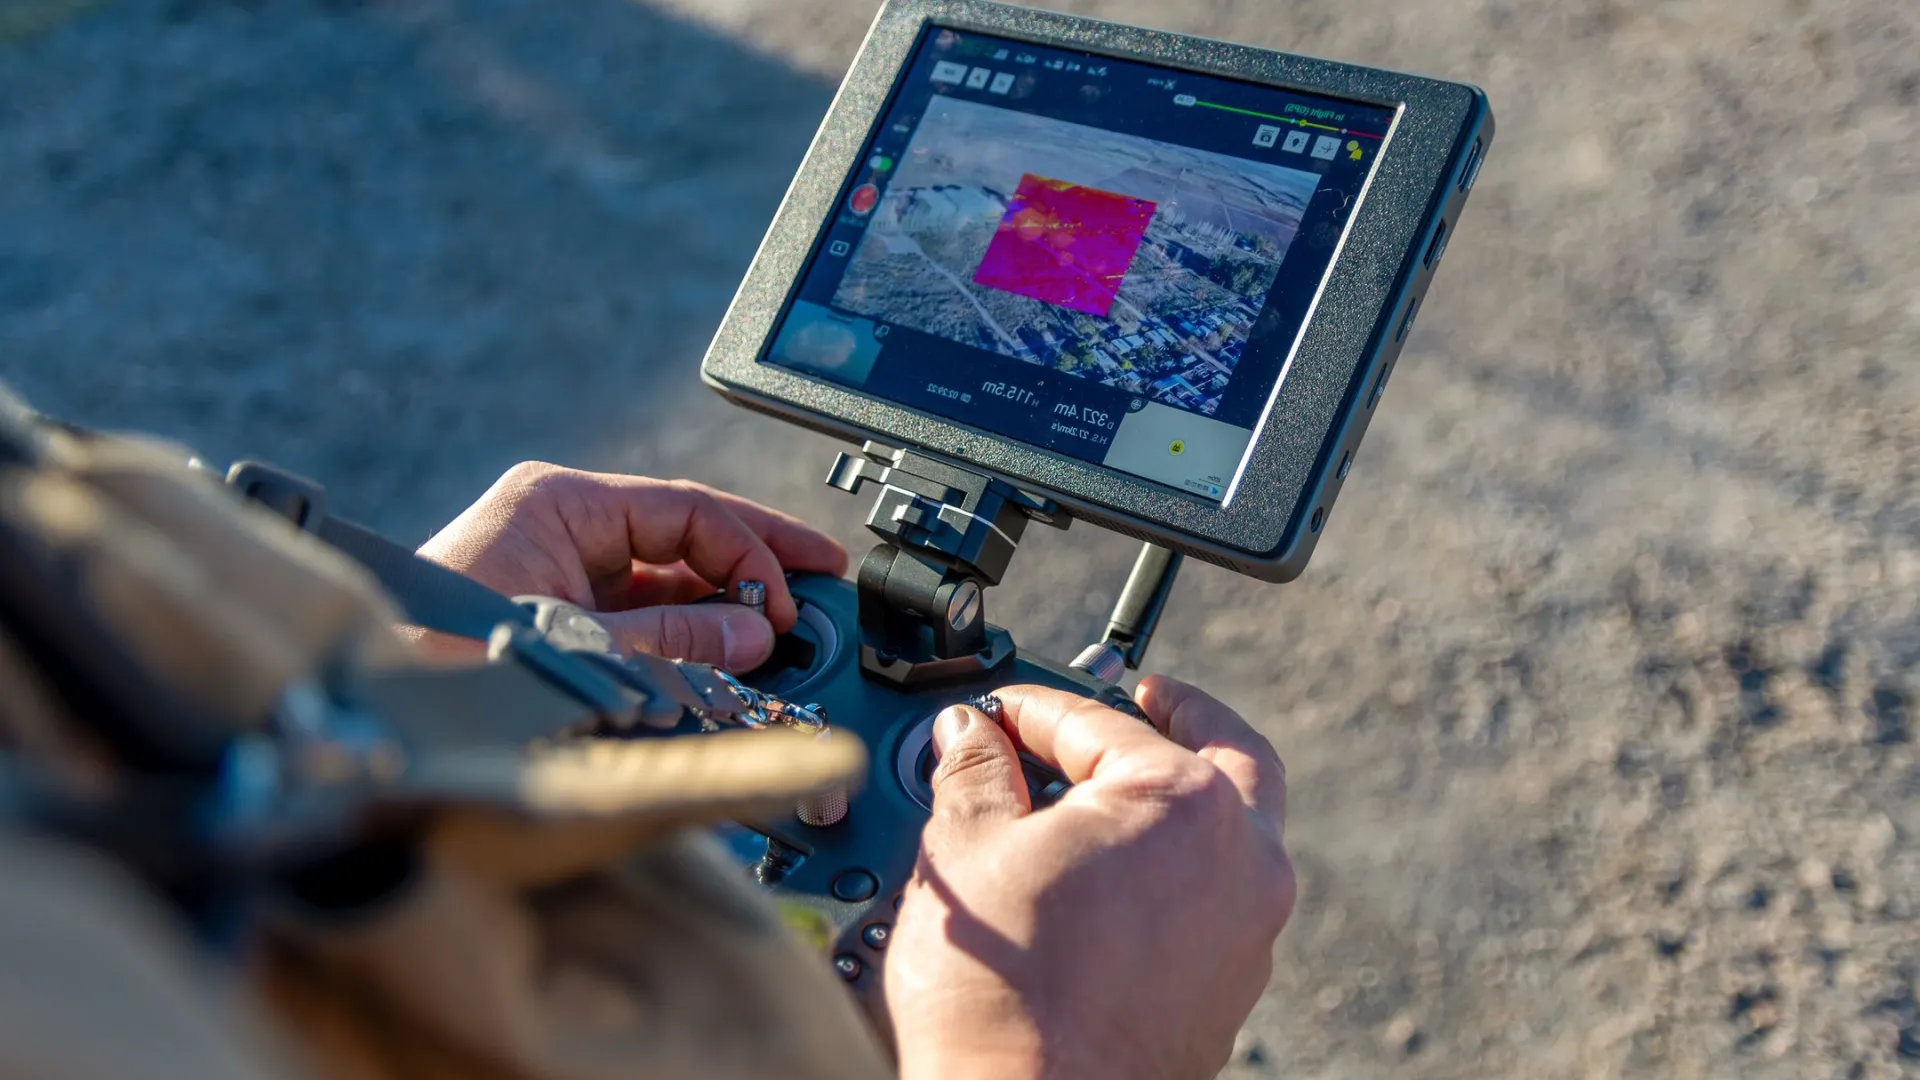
x,y
397,247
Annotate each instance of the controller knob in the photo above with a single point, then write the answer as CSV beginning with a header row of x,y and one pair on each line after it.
x,y
829,807
824,809
751,594
1102,661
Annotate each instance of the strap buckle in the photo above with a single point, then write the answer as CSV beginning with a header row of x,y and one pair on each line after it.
x,y
760,710
616,701
294,497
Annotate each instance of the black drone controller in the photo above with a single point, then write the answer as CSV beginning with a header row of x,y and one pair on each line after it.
x,y
882,657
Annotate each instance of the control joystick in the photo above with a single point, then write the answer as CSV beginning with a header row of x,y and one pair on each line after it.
x,y
879,657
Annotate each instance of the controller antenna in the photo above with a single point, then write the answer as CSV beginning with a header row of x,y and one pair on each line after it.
x,y
1135,615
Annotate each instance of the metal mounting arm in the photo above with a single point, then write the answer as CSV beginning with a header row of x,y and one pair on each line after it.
x,y
947,534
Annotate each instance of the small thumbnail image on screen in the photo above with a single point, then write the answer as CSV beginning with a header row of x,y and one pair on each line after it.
x,y
1126,260
817,339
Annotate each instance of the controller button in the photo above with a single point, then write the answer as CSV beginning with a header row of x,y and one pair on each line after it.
x,y
876,935
899,899
849,967
855,886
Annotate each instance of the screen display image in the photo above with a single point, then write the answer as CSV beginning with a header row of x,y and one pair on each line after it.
x,y
1104,258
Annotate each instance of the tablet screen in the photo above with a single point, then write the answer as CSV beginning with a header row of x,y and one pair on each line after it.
x,y
1104,258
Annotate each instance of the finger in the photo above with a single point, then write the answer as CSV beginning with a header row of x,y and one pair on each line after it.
x,y
616,519
1080,736
725,635
653,585
978,780
1199,722
798,545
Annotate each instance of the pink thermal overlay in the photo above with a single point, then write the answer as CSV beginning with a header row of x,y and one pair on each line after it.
x,y
1065,244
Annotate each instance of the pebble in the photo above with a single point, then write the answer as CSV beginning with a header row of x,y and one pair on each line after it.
x,y
1875,837
1814,874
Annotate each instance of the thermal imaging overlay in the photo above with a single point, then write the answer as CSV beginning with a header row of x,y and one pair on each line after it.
x,y
1065,244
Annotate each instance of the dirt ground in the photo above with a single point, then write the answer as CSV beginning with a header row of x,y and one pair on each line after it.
x,y
1599,697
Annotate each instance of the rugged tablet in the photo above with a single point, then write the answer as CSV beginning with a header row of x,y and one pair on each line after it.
x,y
1159,279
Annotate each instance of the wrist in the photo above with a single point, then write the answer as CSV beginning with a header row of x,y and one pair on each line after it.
x,y
971,1063
966,1045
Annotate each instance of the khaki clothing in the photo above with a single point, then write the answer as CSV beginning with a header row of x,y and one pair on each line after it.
x,y
555,911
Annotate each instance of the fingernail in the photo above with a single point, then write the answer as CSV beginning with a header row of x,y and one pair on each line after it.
x,y
950,726
746,639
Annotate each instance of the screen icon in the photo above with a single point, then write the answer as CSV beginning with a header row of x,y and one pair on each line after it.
x,y
1354,151
1002,83
1101,70
1176,448
1266,136
863,200
1296,142
1184,99
1326,147
839,248
1024,58
1000,54
946,71
977,78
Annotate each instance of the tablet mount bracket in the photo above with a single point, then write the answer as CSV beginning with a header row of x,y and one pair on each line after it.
x,y
947,534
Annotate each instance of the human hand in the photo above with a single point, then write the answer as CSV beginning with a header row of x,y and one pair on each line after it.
x,y
638,551
1125,931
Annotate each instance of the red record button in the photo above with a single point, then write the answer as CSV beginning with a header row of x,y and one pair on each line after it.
x,y
864,199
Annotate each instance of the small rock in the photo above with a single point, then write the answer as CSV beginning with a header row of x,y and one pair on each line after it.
x,y
1814,874
1874,838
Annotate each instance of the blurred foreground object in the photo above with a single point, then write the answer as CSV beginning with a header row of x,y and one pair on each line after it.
x,y
456,903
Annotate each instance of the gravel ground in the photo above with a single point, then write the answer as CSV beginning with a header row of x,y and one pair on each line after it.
x,y
1599,697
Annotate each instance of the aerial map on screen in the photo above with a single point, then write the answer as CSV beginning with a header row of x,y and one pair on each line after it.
x,y
1098,257
1130,261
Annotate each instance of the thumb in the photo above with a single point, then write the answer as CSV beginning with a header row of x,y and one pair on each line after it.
x,y
978,781
725,635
